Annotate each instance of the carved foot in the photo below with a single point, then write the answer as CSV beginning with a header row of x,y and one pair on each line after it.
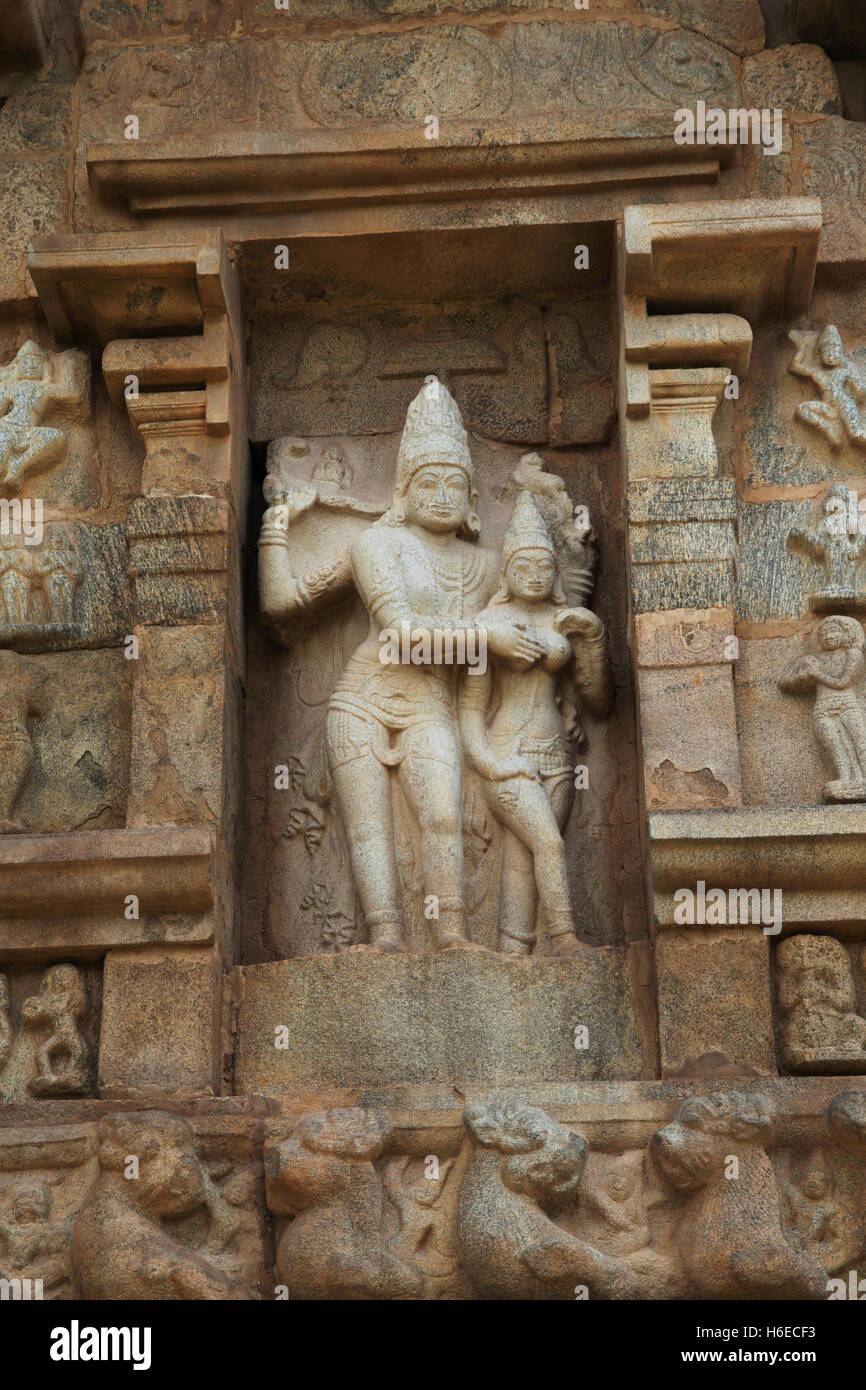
x,y
452,943
11,827
566,945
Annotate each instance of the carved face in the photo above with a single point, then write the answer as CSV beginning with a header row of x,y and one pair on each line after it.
x,y
530,575
687,1156
832,636
832,351
170,1180
438,498
551,1173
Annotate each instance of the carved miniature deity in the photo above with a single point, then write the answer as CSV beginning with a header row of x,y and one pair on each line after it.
x,y
32,1244
62,573
835,675
58,1007
839,545
29,387
20,697
523,753
821,1030
840,413
17,566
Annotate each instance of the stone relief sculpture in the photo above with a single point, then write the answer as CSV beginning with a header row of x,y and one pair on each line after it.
x,y
47,1053
33,385
840,414
39,585
525,754
838,543
324,1176
34,1244
524,1169
125,1242
21,692
821,1030
62,1057
398,768
834,677
730,1234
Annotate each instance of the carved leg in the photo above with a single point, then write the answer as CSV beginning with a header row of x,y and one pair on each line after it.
x,y
828,736
16,594
855,728
363,788
525,808
518,899
824,418
16,761
430,779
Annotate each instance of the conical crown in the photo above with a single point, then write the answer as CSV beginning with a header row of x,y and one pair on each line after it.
x,y
433,433
527,529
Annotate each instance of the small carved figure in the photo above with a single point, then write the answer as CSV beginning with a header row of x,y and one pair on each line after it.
x,y
61,572
20,698
121,1248
325,1177
17,565
839,544
59,1006
34,1246
835,674
523,1170
816,1217
840,413
33,383
524,753
821,1030
730,1234
5,1023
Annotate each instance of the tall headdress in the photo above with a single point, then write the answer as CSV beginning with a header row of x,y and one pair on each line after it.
x,y
527,529
433,433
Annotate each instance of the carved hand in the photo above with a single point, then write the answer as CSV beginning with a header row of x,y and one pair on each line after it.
x,y
579,621
512,767
509,640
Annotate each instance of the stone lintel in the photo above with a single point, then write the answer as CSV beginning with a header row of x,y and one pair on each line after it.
x,y
169,869
814,854
325,170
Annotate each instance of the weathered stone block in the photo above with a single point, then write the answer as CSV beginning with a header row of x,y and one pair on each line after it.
x,y
160,1024
355,1023
715,1017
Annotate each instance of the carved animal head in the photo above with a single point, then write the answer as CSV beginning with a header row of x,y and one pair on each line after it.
x,y
691,1151
170,1178
318,1161
540,1158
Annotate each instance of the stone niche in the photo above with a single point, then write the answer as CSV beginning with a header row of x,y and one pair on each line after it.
x,y
524,342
